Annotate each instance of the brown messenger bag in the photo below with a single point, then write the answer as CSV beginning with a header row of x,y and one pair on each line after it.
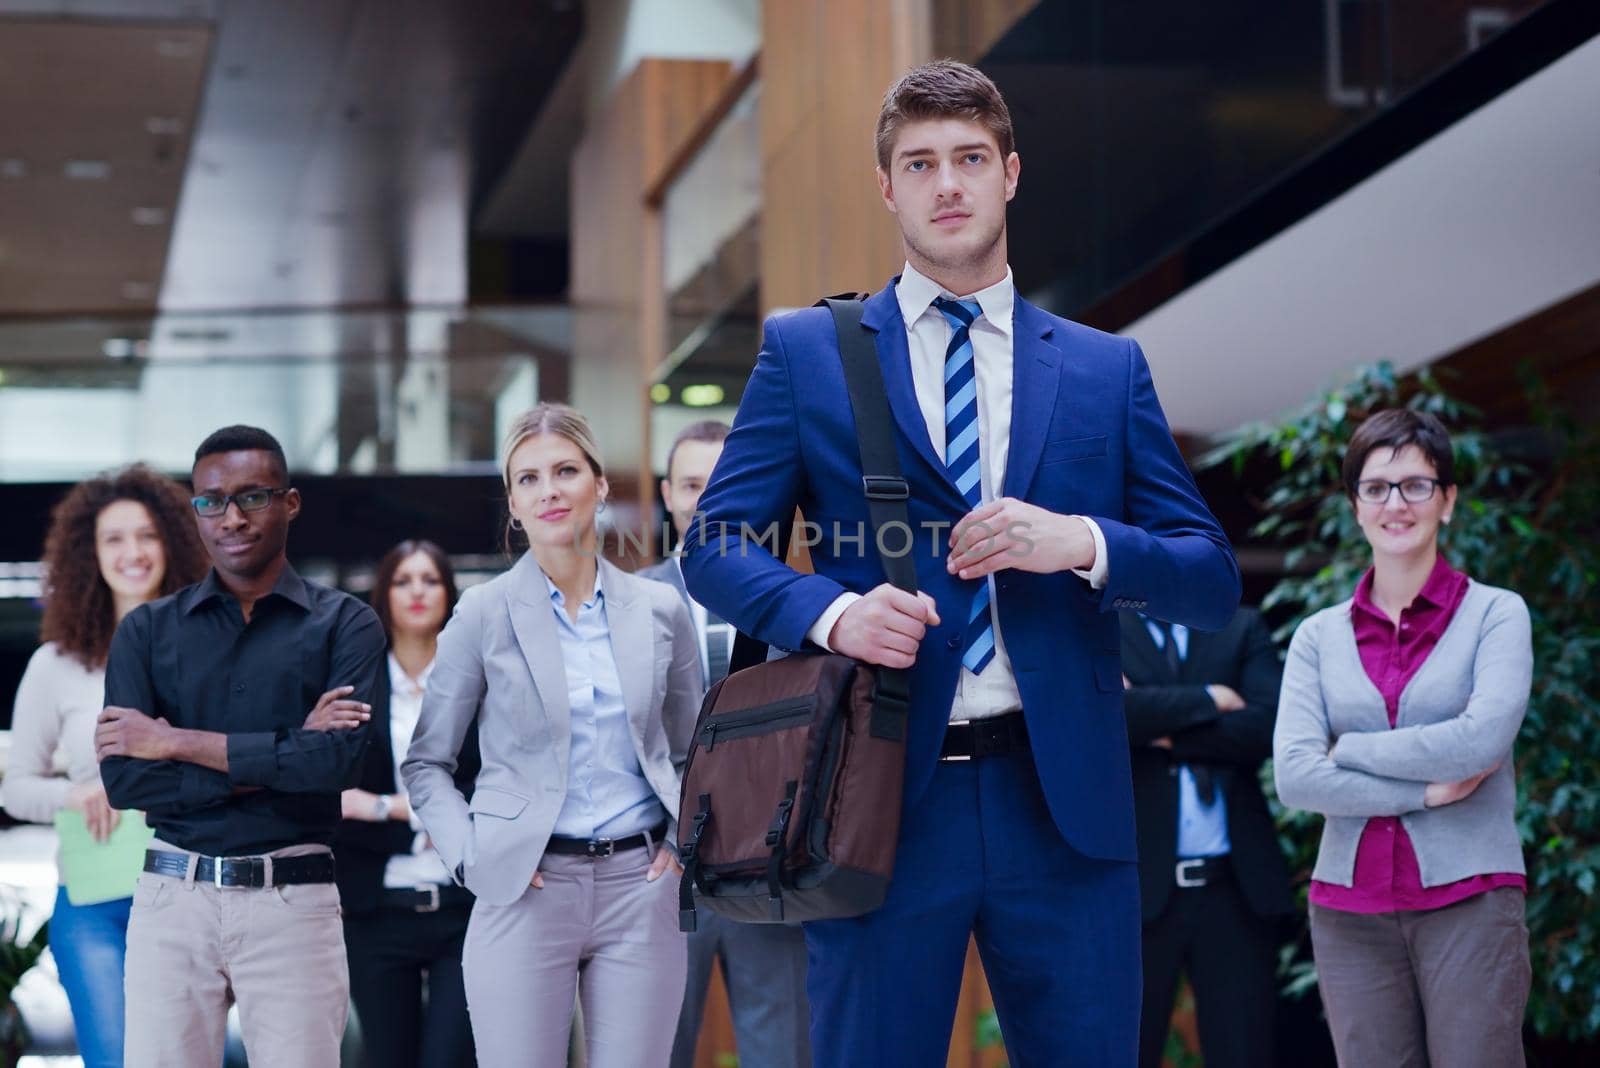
x,y
791,795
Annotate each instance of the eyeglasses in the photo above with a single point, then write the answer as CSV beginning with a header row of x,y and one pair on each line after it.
x,y
212,505
1377,490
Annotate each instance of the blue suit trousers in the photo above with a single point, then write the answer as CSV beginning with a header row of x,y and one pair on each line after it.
x,y
1058,933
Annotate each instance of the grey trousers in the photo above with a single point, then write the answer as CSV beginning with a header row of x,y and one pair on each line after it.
x,y
1444,988
764,968
194,949
597,931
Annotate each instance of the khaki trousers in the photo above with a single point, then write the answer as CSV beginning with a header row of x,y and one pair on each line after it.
x,y
194,950
1441,988
596,930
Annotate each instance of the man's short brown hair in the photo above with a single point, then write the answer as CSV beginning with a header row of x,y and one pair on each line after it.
x,y
708,430
943,89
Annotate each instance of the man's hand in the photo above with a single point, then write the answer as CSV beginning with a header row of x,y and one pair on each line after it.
x,y
664,860
884,627
336,712
130,733
1448,793
89,798
1227,699
1008,533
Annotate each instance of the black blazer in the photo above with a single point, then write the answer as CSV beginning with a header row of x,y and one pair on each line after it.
x,y
1232,744
362,848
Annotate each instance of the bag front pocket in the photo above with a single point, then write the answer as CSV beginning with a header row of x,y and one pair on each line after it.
x,y
763,719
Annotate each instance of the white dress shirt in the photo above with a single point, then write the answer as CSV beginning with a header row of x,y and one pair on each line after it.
x,y
994,691
422,865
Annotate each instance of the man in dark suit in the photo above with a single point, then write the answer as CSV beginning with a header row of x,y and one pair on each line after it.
x,y
763,966
1213,882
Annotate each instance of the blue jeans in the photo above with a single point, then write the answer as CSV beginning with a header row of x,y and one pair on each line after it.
x,y
89,944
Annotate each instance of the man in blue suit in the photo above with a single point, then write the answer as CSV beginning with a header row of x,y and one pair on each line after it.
x,y
1046,493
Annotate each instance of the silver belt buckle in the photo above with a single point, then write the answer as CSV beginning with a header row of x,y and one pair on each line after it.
x,y
216,874
1183,869
601,847
432,904
956,758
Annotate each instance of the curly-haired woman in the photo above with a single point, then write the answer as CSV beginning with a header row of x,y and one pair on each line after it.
x,y
115,541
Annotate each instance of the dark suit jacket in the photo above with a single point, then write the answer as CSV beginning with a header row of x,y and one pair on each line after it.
x,y
1232,744
362,848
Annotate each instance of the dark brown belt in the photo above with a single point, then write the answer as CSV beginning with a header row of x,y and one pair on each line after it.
x,y
604,847
968,739
427,898
1200,871
244,872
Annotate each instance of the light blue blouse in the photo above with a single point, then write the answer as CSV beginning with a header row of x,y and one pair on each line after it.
x,y
607,794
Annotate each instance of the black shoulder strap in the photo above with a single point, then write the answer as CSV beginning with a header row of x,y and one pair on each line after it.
x,y
886,492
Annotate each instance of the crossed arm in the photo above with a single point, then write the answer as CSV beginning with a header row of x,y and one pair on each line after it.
x,y
148,764
1478,739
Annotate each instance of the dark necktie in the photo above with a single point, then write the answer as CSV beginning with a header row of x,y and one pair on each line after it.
x,y
1204,783
719,644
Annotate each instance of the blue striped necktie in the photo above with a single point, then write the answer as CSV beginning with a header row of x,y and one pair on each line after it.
x,y
961,457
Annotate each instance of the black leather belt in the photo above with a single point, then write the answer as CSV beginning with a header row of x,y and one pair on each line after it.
x,y
428,898
247,872
1199,871
604,847
965,739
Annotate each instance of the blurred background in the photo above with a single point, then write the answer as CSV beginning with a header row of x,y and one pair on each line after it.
x,y
380,228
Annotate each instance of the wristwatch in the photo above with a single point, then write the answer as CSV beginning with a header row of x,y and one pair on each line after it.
x,y
382,807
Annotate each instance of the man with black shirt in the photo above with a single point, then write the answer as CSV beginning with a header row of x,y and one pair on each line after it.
x,y
206,730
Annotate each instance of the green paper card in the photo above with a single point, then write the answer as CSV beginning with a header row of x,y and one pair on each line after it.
x,y
101,871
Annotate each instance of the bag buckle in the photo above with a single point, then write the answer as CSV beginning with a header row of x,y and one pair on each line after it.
x,y
885,488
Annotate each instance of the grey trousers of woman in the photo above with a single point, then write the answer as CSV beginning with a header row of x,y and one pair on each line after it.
x,y
596,930
1440,988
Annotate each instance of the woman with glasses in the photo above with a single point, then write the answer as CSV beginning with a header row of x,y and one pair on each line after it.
x,y
404,917
114,542
584,682
1396,721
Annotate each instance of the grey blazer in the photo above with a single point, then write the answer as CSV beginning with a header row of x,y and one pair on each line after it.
x,y
499,663
1334,752
668,572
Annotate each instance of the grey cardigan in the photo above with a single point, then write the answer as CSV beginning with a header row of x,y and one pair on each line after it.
x,y
1334,752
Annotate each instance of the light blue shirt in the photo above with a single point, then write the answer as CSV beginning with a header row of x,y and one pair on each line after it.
x,y
607,794
1202,828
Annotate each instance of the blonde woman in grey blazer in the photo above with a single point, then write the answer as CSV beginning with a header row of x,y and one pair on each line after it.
x,y
584,682
1396,722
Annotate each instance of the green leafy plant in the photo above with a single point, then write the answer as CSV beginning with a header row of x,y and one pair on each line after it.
x,y
16,958
1527,520
987,1031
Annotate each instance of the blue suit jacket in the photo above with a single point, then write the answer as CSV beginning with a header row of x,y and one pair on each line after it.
x,y
1087,437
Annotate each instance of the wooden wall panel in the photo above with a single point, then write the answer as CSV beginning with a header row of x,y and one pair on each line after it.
x,y
968,28
619,313
825,67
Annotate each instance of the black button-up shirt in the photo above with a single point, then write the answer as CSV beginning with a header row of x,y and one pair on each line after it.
x,y
193,659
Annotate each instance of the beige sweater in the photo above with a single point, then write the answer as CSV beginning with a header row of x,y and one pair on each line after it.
x,y
52,727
